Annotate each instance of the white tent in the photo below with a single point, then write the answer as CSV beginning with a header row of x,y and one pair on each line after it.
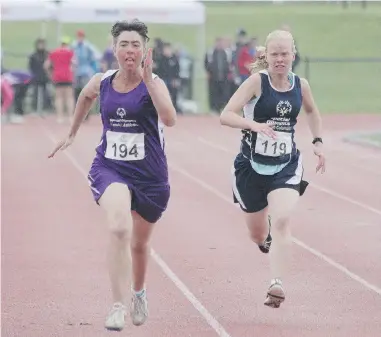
x,y
82,11
150,11
176,12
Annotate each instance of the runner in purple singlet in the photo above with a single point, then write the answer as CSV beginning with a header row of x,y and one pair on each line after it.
x,y
129,174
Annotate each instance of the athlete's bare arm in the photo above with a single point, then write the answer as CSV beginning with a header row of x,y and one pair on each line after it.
x,y
162,101
309,106
230,116
314,122
85,100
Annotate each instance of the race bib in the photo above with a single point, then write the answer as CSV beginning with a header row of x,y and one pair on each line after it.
x,y
280,146
125,146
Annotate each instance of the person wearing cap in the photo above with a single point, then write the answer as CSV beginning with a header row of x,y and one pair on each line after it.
x,y
86,62
60,63
241,41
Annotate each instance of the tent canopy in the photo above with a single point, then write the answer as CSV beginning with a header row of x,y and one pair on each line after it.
x,y
149,11
175,12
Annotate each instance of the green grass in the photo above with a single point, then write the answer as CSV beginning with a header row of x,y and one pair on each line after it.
x,y
373,139
376,137
320,30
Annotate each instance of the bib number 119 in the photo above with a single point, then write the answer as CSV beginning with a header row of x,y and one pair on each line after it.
x,y
275,148
280,146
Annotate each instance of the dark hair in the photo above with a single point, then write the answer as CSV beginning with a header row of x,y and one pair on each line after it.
x,y
133,26
39,40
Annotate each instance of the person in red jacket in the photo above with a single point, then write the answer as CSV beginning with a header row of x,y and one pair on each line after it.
x,y
246,57
61,62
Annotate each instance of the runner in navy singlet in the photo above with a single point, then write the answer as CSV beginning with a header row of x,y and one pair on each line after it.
x,y
268,171
129,174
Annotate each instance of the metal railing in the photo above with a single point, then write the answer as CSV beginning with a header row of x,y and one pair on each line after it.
x,y
344,84
309,60
340,84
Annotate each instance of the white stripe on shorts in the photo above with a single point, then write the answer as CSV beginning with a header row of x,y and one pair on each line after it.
x,y
91,185
297,178
235,189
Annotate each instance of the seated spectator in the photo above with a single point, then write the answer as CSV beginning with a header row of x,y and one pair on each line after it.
x,y
7,95
19,80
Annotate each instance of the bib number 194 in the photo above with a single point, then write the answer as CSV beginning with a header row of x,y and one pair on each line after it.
x,y
122,151
125,146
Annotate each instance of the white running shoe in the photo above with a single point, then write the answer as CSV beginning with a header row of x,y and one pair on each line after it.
x,y
139,308
16,119
275,294
116,318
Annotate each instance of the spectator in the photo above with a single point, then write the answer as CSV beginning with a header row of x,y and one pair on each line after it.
x,y
186,73
40,77
109,61
169,69
246,57
86,58
61,61
241,41
157,53
217,65
19,80
7,95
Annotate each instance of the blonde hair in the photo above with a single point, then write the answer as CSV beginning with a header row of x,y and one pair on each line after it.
x,y
261,63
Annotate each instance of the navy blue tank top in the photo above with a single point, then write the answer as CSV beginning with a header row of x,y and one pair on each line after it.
x,y
278,108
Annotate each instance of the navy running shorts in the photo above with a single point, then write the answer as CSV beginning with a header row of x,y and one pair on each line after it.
x,y
250,189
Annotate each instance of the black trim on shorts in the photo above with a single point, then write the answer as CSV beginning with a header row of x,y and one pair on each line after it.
x,y
63,84
301,187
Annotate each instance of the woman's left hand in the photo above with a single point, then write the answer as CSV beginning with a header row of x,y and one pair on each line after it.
x,y
318,151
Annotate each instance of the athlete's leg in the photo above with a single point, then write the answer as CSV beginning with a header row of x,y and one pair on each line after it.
x,y
116,201
59,103
282,203
69,100
140,250
258,224
149,203
249,191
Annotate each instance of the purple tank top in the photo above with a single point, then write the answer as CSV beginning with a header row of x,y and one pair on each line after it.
x,y
132,141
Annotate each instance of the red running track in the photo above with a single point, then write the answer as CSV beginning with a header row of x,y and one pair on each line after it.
x,y
54,277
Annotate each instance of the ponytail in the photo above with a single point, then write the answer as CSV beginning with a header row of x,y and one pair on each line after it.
x,y
260,63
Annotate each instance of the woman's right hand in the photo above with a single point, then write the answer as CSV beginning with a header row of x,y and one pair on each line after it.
x,y
62,145
264,129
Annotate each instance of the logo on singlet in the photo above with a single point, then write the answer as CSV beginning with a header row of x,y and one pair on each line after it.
x,y
283,108
121,112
